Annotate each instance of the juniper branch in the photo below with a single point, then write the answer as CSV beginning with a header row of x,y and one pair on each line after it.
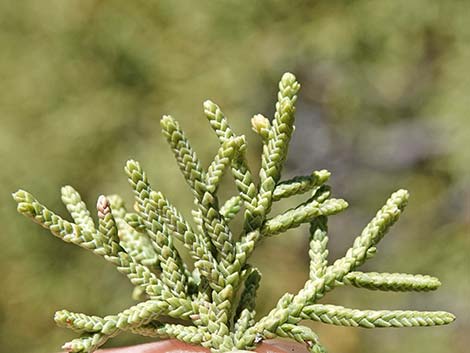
x,y
187,159
240,170
301,334
318,251
77,208
300,184
370,236
174,275
218,230
214,225
86,343
302,214
226,154
275,151
338,315
397,282
188,334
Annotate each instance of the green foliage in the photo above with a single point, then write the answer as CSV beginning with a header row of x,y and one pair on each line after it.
x,y
205,300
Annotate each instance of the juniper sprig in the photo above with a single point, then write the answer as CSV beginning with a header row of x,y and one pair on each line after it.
x,y
215,302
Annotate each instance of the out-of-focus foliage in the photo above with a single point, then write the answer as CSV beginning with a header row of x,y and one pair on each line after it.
x,y
383,105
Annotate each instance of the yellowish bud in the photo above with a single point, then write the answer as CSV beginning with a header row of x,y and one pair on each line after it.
x,y
260,125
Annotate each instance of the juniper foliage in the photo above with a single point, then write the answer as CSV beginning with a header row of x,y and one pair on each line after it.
x,y
213,298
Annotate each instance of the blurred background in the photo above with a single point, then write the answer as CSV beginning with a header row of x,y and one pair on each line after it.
x,y
383,105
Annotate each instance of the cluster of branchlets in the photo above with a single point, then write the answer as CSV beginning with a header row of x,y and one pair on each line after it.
x,y
211,302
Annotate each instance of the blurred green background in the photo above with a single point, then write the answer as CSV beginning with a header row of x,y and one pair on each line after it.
x,y
384,104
